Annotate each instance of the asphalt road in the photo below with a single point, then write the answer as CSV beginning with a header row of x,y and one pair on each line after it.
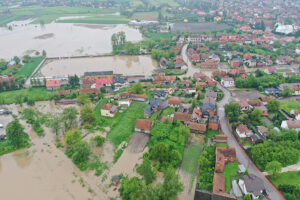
x,y
241,155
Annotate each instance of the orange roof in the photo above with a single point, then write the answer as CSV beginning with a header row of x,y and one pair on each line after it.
x,y
107,106
143,124
184,117
219,183
53,83
174,101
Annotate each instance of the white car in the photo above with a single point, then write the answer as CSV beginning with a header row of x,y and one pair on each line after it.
x,y
1,126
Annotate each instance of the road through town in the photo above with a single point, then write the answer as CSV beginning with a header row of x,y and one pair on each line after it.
x,y
243,158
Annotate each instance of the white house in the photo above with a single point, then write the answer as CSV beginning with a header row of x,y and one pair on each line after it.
x,y
296,113
227,82
190,90
286,29
124,103
291,124
251,184
243,131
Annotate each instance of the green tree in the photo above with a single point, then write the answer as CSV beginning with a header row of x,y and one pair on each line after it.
x,y
83,99
171,186
273,105
87,115
287,92
55,123
233,111
255,115
81,152
247,197
16,59
69,117
131,189
100,95
14,134
145,169
137,89
74,81
273,167
72,137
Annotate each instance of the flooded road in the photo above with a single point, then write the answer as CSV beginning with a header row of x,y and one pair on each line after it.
x,y
61,39
126,65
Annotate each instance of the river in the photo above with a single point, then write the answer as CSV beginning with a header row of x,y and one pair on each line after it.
x,y
60,39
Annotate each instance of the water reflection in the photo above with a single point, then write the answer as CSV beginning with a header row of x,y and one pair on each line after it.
x,y
23,158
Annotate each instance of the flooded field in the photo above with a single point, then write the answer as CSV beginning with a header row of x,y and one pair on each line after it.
x,y
197,27
60,40
126,65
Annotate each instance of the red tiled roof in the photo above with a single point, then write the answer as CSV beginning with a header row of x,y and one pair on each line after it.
x,y
89,91
242,128
101,81
197,127
143,124
107,106
218,183
173,101
184,117
53,83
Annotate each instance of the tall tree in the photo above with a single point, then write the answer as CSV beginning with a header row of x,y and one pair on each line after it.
x,y
69,117
14,131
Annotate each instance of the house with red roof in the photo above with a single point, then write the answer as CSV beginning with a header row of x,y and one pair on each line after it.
x,y
103,82
53,84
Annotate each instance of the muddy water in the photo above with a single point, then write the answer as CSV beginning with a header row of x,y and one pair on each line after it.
x,y
67,40
127,65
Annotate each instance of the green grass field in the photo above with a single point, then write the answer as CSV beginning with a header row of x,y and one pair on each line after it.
x,y
28,68
191,157
283,70
230,169
289,105
292,177
122,130
38,94
159,35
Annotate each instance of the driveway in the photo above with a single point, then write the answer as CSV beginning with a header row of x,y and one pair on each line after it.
x,y
241,155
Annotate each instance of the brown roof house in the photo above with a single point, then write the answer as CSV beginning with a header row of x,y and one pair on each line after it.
x,y
160,79
213,123
183,117
223,156
143,126
243,131
53,84
291,124
172,102
221,139
109,110
197,128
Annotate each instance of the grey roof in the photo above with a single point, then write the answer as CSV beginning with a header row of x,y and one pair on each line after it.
x,y
253,184
214,119
208,105
98,73
155,103
236,190
159,93
118,79
113,108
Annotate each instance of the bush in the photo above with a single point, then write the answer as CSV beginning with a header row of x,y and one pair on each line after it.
x,y
99,140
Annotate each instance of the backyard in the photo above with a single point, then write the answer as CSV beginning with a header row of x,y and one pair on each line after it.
x,y
289,105
230,169
28,68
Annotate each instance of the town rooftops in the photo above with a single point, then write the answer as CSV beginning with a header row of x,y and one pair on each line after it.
x,y
53,83
227,79
173,101
99,73
197,127
221,137
143,124
89,91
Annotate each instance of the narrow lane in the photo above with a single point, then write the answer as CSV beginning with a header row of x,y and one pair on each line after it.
x,y
241,155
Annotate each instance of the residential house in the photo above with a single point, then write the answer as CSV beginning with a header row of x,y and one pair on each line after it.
x,y
190,90
294,86
89,91
196,58
213,123
243,105
11,63
119,81
138,97
256,138
209,100
235,63
264,131
198,76
160,94
223,156
53,84
143,126
251,184
163,63
161,79
211,94
194,39
202,84
291,124
221,139
172,102
209,65
296,113
109,110
183,117
154,105
125,103
208,110
227,82
263,109
275,91
196,115
197,128
243,131
185,83
254,103
62,93
102,82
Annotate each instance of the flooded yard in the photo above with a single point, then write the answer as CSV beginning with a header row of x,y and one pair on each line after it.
x,y
126,65
61,39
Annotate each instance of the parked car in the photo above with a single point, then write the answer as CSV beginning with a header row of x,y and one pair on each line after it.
x,y
1,126
4,112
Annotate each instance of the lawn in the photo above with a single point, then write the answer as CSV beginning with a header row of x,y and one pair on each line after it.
x,y
191,158
37,93
230,169
292,177
168,111
211,133
28,68
122,130
49,14
283,70
159,35
289,105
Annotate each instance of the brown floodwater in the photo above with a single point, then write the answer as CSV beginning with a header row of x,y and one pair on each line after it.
x,y
61,39
126,65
